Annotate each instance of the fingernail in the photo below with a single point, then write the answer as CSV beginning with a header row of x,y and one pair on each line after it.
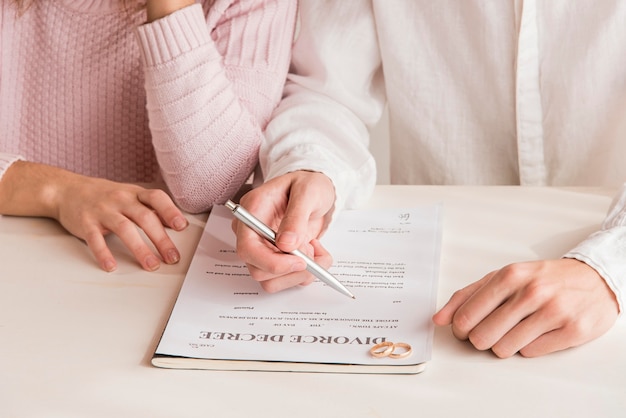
x,y
173,256
287,238
152,263
180,223
109,265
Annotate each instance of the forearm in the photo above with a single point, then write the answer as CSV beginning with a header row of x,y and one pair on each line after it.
x,y
31,189
312,132
156,9
206,142
209,98
334,94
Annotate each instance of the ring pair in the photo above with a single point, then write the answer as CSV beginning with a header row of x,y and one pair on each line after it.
x,y
388,349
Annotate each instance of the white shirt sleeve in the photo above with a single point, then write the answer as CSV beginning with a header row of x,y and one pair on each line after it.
x,y
605,250
334,94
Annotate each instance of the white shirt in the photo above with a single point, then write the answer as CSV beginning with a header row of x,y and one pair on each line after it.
x,y
479,92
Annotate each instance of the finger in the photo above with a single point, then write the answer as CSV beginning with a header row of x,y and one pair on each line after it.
x,y
558,339
149,222
264,260
496,289
275,266
287,281
446,314
97,244
248,240
508,328
514,323
546,343
274,278
316,251
529,334
275,281
127,231
320,254
550,329
164,207
293,228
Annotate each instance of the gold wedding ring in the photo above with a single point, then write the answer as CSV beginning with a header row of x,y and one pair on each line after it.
x,y
402,354
388,349
382,349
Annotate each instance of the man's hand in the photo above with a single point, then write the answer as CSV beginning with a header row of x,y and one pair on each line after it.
x,y
533,308
298,206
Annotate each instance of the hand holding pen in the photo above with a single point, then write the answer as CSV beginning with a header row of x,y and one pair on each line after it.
x,y
266,232
272,270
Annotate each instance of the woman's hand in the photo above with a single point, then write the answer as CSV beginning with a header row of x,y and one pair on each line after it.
x,y
91,208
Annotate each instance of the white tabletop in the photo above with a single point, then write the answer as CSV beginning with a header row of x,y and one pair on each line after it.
x,y
77,342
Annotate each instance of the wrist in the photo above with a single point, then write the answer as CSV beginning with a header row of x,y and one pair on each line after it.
x,y
157,9
30,189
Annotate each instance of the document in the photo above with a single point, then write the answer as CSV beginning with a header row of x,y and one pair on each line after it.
x,y
389,260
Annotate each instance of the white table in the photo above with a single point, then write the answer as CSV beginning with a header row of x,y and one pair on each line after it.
x,y
77,342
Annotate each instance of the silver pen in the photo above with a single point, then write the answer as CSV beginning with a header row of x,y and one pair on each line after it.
x,y
268,233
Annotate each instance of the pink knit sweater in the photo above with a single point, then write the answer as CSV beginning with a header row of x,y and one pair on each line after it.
x,y
86,86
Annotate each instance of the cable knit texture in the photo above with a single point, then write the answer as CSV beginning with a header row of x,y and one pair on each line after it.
x,y
86,86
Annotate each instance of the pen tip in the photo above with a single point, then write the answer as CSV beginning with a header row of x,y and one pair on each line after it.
x,y
353,297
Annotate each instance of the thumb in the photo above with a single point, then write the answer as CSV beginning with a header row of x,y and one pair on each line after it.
x,y
311,198
294,226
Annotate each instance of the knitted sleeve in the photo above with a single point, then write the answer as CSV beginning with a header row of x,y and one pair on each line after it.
x,y
212,83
